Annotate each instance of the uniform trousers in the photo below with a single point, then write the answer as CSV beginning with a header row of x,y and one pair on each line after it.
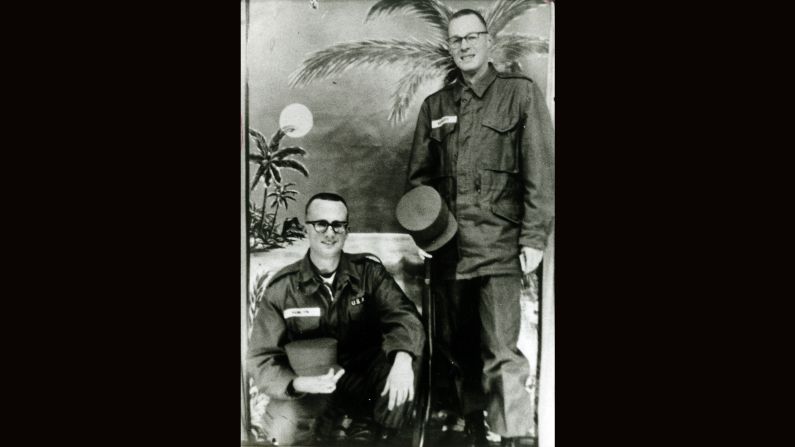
x,y
358,394
359,389
477,330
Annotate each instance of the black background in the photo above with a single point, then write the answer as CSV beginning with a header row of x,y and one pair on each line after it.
x,y
131,317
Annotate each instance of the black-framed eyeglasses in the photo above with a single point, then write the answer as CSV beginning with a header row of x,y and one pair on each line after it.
x,y
321,226
471,38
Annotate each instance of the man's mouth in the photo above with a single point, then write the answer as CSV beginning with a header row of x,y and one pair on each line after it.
x,y
467,57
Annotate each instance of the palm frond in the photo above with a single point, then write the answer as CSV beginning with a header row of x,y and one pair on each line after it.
x,y
293,164
274,170
262,143
287,151
510,47
256,158
276,139
436,13
408,85
340,57
257,176
503,12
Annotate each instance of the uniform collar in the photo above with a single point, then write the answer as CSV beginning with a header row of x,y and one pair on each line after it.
x,y
479,87
310,281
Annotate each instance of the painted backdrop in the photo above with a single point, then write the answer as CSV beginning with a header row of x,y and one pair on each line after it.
x,y
352,149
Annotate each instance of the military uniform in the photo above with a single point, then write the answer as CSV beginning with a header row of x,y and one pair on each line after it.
x,y
365,310
488,149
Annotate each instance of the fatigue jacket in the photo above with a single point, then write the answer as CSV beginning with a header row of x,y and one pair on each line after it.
x,y
489,151
369,312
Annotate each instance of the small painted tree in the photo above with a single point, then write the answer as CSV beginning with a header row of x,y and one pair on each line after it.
x,y
281,195
271,160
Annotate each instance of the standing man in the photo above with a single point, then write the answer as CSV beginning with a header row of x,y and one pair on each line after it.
x,y
353,299
485,143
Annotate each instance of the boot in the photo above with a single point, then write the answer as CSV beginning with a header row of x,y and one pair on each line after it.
x,y
476,430
523,441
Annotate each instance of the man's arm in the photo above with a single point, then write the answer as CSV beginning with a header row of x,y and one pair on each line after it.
x,y
400,323
266,360
403,336
538,172
421,168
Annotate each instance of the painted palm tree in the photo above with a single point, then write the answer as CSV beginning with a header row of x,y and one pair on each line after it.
x,y
424,61
281,196
271,160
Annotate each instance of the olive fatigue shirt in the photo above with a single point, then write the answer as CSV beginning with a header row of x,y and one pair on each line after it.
x,y
488,149
369,312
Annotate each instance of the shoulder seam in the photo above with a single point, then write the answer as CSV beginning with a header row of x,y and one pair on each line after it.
x,y
367,256
515,76
290,268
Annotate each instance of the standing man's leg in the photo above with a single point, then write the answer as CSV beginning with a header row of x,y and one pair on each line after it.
x,y
458,339
505,369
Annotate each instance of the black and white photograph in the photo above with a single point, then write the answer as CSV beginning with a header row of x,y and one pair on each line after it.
x,y
397,222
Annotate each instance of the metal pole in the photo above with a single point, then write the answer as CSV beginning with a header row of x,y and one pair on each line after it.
x,y
428,316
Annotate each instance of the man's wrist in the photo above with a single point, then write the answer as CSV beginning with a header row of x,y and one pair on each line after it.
x,y
291,389
402,356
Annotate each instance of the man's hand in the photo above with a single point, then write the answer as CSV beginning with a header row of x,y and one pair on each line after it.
x,y
423,254
400,382
530,258
324,384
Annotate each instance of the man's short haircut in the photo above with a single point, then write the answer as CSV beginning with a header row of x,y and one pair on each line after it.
x,y
326,196
469,12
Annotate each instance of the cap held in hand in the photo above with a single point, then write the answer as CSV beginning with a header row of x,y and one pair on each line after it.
x,y
313,357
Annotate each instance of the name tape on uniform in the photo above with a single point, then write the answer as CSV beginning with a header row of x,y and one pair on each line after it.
x,y
302,312
444,120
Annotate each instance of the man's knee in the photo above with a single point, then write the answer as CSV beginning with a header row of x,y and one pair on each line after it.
x,y
293,421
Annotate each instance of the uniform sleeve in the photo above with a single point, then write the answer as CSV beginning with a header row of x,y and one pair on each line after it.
x,y
421,168
266,359
400,322
538,168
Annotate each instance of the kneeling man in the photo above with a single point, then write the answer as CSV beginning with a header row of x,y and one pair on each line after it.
x,y
350,298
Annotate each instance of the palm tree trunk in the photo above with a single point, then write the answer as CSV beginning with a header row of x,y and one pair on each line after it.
x,y
275,213
264,208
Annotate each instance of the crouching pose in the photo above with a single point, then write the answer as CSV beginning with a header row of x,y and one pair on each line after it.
x,y
348,298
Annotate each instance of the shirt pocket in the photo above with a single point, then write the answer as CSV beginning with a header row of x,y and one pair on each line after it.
x,y
502,194
440,133
508,210
441,149
498,142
